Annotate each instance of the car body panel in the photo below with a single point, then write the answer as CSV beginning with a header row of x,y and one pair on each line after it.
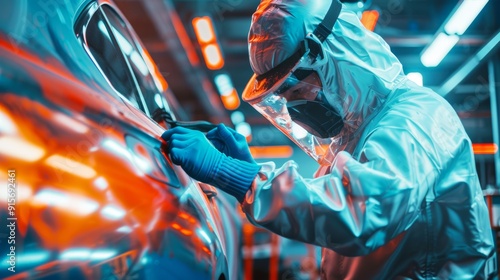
x,y
96,197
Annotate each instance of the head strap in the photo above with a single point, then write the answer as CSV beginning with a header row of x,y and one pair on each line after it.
x,y
325,27
322,31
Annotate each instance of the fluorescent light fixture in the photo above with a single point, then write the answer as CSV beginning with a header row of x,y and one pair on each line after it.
x,y
484,148
224,84
463,16
204,29
416,77
213,56
20,149
205,34
369,19
237,117
231,101
228,93
438,49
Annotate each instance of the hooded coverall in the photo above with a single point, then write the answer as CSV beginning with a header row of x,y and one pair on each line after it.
x,y
402,198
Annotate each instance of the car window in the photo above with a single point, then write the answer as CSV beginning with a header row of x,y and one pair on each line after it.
x,y
109,58
151,95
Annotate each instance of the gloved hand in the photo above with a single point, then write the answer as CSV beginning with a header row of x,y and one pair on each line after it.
x,y
191,150
202,161
230,142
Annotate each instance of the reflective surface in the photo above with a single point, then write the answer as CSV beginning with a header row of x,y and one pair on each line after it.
x,y
95,197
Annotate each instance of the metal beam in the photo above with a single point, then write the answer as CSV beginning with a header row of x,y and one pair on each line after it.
x,y
471,89
172,32
419,41
479,58
494,78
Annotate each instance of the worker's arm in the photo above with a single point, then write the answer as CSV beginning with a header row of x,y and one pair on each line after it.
x,y
208,162
360,206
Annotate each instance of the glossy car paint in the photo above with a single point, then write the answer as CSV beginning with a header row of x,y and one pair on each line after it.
x,y
96,197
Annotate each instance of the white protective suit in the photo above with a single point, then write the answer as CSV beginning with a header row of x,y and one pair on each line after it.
x,y
401,198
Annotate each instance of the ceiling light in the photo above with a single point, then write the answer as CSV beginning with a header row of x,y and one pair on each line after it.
x,y
228,93
484,148
232,101
237,117
205,34
438,49
204,29
213,56
224,84
369,19
463,16
456,24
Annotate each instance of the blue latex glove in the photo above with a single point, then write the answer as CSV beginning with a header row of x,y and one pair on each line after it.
x,y
191,150
202,161
230,142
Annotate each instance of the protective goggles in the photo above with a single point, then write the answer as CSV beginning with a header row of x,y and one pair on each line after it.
x,y
291,95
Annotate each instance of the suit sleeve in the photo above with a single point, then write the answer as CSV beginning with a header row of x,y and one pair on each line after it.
x,y
361,205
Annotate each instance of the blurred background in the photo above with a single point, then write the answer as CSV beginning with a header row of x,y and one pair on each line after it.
x,y
200,47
